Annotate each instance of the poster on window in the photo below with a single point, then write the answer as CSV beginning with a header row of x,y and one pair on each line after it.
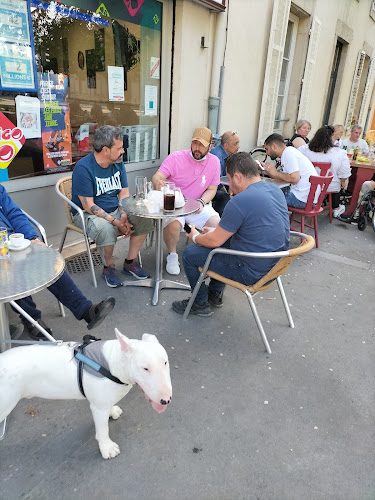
x,y
151,100
17,57
11,141
140,142
28,116
116,83
55,120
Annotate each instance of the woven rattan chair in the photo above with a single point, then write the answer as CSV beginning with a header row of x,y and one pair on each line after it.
x,y
286,257
63,188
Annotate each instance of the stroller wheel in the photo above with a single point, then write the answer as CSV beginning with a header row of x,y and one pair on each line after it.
x,y
362,223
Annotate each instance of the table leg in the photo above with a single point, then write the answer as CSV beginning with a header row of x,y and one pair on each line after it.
x,y
4,335
363,174
158,283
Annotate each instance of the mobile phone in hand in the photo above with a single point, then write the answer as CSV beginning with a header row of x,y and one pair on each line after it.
x,y
187,228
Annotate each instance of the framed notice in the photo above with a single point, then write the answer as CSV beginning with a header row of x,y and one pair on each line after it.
x,y
17,54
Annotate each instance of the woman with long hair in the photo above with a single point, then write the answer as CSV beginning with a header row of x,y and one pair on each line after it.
x,y
321,149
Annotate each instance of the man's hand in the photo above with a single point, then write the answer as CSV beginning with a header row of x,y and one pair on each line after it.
x,y
270,169
206,229
38,242
123,225
192,232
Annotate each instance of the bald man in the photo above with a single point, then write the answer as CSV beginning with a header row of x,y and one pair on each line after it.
x,y
230,144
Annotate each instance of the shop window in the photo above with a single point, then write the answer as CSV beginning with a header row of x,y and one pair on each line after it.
x,y
93,70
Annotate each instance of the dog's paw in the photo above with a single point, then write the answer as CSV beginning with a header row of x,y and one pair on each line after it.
x,y
115,412
109,449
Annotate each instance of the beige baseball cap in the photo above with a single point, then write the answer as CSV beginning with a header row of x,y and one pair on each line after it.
x,y
203,135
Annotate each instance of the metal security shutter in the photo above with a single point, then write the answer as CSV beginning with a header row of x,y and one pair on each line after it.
x,y
361,113
279,26
354,89
308,75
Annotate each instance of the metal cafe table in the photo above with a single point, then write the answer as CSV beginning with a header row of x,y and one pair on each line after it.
x,y
157,283
25,272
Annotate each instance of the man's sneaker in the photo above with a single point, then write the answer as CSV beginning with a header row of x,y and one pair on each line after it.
x,y
111,278
134,269
349,219
215,298
339,210
172,267
16,330
179,307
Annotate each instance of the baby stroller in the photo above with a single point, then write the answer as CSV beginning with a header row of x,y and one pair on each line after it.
x,y
367,203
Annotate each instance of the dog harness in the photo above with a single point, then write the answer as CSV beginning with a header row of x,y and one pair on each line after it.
x,y
93,363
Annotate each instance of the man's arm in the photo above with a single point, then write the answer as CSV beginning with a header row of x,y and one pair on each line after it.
x,y
209,194
90,207
292,178
14,216
158,180
211,239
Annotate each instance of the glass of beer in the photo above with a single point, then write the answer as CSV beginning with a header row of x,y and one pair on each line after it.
x,y
4,249
349,153
169,193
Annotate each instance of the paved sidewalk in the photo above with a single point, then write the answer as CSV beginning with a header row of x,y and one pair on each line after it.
x,y
298,423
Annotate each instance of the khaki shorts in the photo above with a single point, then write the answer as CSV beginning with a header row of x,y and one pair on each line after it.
x,y
104,234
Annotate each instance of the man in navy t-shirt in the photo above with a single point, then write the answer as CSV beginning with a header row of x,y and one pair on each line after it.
x,y
254,220
99,183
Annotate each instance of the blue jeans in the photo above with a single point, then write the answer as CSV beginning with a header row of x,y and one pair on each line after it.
x,y
291,200
230,266
67,292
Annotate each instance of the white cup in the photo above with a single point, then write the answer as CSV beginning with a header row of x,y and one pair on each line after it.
x,y
17,239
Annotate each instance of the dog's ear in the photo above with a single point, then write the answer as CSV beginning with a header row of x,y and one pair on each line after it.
x,y
124,341
147,337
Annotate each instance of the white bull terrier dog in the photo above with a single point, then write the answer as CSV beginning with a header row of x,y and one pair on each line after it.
x,y
50,372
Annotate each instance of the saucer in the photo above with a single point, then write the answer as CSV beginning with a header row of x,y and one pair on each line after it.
x,y
24,246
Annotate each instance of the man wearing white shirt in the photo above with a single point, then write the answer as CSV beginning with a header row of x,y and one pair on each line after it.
x,y
296,169
354,139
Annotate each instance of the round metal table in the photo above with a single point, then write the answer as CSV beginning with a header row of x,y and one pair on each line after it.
x,y
25,272
135,207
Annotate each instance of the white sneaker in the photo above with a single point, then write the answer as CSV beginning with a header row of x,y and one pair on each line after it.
x,y
172,267
339,210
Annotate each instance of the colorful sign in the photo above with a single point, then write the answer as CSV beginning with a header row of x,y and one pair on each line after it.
x,y
17,57
55,120
11,141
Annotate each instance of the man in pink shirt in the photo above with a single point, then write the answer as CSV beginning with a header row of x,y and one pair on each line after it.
x,y
197,173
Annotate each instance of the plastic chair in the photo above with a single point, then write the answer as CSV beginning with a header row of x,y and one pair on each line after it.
x,y
63,188
324,167
286,257
312,209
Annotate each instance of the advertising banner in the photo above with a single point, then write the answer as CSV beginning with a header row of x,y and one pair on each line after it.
x,y
11,141
55,120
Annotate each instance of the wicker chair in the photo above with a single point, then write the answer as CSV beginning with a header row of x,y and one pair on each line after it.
x,y
63,188
286,257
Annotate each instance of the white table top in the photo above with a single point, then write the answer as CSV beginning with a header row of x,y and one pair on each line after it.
x,y
28,271
134,207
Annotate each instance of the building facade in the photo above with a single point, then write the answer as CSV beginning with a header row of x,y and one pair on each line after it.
x,y
160,68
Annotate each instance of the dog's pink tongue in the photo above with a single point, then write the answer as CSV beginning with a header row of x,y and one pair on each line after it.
x,y
157,407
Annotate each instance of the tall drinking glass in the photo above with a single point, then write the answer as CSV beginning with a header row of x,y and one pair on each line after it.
x,y
140,188
4,250
169,193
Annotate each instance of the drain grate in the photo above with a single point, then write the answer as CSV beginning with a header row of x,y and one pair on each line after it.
x,y
81,264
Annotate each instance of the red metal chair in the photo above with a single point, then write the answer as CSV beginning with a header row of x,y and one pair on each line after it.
x,y
311,210
324,167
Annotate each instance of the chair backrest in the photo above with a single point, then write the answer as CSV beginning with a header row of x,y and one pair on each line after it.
x,y
317,181
323,167
64,186
282,265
